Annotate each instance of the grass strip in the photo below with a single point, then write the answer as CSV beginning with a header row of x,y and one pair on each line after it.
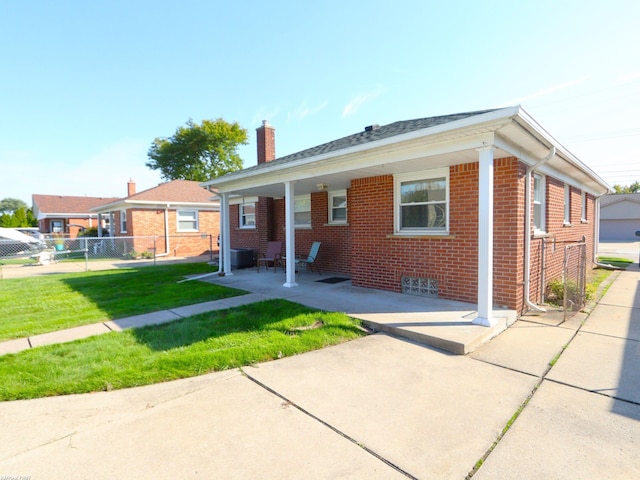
x,y
615,261
33,305
192,346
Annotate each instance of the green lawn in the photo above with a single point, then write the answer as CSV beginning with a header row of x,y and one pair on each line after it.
x,y
615,261
193,346
29,306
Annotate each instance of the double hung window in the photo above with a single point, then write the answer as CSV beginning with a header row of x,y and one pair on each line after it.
x,y
422,202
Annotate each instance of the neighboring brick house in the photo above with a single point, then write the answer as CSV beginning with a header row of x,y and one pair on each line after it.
x,y
66,214
435,206
178,218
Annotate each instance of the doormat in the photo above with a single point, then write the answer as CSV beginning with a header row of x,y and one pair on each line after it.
x,y
332,280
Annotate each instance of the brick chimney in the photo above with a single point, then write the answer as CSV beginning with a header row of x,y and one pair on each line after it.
x,y
266,142
131,187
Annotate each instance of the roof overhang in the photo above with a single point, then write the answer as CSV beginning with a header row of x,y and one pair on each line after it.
x,y
511,131
125,204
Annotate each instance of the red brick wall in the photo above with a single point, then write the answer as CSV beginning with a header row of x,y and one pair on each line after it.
x,y
559,235
380,259
142,222
335,252
246,237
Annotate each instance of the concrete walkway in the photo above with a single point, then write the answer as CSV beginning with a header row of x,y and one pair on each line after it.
x,y
444,324
377,407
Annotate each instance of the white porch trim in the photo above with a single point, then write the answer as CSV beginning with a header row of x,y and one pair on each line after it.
x,y
290,235
485,238
225,237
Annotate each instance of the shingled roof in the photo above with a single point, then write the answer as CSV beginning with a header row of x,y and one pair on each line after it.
x,y
183,191
370,134
64,204
175,192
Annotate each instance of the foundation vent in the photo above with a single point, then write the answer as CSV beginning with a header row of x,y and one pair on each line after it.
x,y
423,287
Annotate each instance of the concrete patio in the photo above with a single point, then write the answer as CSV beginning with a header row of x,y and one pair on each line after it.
x,y
439,323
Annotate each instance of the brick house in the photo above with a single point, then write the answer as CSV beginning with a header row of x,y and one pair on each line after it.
x,y
472,207
66,214
178,217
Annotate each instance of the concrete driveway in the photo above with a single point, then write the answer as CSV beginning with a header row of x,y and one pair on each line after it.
x,y
378,407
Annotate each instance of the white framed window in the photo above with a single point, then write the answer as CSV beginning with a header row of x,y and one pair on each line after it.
x,y
247,215
422,202
583,208
567,204
187,220
302,211
56,226
539,195
123,221
338,206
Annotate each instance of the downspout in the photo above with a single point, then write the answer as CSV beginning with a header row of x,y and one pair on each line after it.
x,y
527,228
166,230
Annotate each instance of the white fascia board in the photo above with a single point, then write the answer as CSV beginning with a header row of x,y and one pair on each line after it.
x,y
123,205
532,126
64,215
493,120
544,169
390,153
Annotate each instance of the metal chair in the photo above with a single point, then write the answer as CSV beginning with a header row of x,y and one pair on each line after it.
x,y
272,255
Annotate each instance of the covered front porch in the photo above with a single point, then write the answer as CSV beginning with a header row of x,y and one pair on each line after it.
x,y
443,324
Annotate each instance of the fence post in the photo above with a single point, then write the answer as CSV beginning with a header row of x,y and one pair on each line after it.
x,y
154,250
86,255
210,248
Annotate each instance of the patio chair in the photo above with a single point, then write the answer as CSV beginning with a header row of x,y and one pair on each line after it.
x,y
272,255
309,260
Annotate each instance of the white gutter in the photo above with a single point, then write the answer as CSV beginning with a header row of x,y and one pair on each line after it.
x,y
527,228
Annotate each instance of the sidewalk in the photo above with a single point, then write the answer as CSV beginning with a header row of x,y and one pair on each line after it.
x,y
377,407
153,318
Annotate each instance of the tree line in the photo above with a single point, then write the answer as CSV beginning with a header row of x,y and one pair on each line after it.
x,y
16,213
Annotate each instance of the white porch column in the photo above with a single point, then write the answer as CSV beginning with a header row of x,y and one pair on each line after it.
x,y
225,235
99,225
485,238
290,235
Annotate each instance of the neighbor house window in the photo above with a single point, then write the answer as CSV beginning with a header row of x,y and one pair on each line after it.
x,y
338,206
302,211
247,215
422,202
567,204
583,202
187,220
538,203
56,226
123,221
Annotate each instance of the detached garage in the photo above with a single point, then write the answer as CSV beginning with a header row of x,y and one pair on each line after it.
x,y
619,217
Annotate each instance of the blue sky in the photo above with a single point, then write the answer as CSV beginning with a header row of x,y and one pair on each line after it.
x,y
86,86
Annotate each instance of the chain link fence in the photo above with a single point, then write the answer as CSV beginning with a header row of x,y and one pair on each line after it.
x,y
574,277
52,248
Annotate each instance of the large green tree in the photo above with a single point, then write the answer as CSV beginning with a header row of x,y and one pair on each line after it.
x,y
198,151
10,205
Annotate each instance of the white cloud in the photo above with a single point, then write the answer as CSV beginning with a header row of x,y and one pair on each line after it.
x,y
356,102
547,91
263,114
304,111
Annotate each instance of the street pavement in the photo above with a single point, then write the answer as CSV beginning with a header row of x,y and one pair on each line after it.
x,y
377,407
